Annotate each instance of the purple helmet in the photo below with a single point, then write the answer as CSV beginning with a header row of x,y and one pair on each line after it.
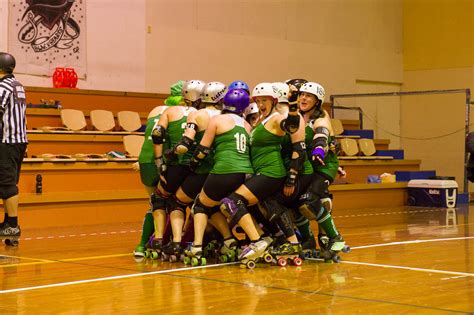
x,y
239,85
236,101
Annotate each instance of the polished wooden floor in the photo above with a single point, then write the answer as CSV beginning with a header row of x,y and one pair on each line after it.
x,y
404,261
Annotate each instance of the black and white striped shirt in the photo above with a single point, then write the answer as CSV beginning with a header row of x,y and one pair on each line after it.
x,y
12,110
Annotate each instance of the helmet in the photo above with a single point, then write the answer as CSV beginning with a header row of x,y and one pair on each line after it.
x,y
7,62
213,92
282,91
251,109
241,85
315,89
296,82
236,101
264,89
176,88
192,90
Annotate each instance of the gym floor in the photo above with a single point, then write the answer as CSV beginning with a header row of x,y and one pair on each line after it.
x,y
404,260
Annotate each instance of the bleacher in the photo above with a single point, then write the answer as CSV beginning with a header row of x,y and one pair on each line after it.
x,y
78,191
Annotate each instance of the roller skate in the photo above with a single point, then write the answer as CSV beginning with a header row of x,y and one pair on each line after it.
x,y
252,253
172,252
309,249
194,256
211,250
330,247
10,235
229,251
282,254
154,248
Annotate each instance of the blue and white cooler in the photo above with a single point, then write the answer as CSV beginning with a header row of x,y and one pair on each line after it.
x,y
432,193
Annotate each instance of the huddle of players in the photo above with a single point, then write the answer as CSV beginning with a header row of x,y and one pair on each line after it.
x,y
265,166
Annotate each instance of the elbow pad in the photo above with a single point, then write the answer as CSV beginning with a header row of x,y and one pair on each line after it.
x,y
158,134
299,149
320,141
183,145
290,124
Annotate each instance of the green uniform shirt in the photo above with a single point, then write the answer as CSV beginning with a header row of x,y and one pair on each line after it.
x,y
206,165
232,150
147,153
175,132
331,161
265,152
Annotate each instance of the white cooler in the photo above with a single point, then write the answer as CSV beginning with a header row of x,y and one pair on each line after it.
x,y
432,193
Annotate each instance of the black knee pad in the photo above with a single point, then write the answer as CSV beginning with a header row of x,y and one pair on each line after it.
x,y
236,210
214,210
198,207
274,208
174,204
310,206
158,201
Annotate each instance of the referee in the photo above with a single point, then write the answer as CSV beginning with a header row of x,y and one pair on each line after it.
x,y
13,142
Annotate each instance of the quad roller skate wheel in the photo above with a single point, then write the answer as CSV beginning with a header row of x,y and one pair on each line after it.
x,y
268,258
250,264
224,258
154,255
187,260
282,262
12,243
346,249
297,261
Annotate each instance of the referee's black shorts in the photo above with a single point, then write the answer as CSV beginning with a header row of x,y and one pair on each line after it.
x,y
11,157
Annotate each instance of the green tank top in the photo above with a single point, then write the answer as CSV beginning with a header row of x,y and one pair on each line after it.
x,y
175,132
147,153
265,152
232,150
287,151
206,165
331,161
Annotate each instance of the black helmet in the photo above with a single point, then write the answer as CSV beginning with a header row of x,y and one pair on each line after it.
x,y
296,82
7,62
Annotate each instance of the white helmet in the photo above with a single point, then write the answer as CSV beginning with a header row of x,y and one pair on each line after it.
x,y
251,109
264,89
213,92
282,91
315,89
192,90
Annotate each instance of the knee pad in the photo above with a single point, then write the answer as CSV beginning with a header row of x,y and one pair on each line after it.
x,y
158,201
310,207
234,208
274,208
327,204
9,192
174,204
198,207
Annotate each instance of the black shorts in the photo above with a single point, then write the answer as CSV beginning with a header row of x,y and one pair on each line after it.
x,y
11,157
175,176
218,186
303,183
193,184
263,186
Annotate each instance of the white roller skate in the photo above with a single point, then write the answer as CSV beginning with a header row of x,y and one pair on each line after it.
x,y
194,256
252,253
229,251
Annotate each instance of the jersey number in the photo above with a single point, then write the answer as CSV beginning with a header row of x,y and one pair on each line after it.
x,y
240,142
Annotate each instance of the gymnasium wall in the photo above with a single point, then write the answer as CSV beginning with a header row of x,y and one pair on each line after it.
x,y
438,54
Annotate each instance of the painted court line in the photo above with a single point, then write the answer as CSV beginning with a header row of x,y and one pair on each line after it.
x,y
463,274
38,261
111,278
414,242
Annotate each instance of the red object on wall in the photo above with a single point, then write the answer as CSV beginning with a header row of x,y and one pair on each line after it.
x,y
65,78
